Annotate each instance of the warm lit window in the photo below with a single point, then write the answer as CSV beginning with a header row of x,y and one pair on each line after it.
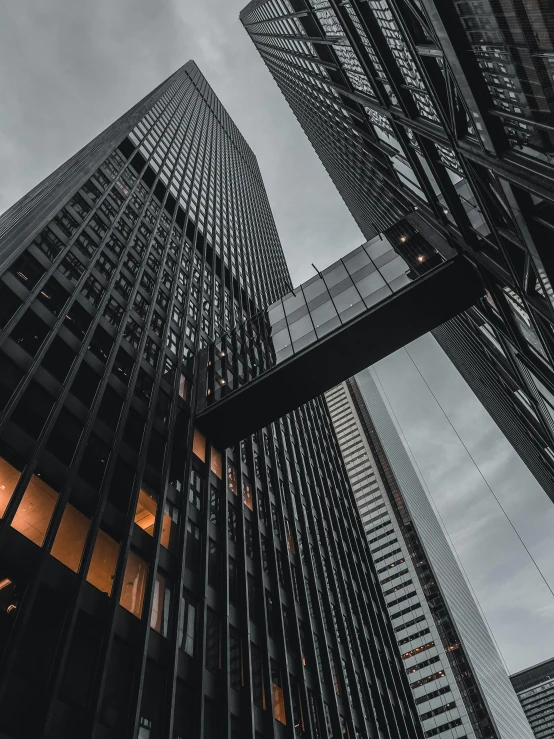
x,y
134,583
216,463
70,539
232,477
102,564
145,515
9,477
199,445
278,695
247,493
35,510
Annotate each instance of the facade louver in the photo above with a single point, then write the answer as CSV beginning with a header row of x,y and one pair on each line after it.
x,y
440,115
152,585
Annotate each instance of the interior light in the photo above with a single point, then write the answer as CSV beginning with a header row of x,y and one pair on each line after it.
x,y
420,258
403,239
445,211
5,582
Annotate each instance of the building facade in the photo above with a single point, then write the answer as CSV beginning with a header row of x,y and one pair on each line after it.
x,y
535,690
152,585
440,116
459,684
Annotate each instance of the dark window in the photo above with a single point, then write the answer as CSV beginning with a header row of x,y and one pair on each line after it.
x,y
141,305
110,407
215,506
233,583
188,638
49,244
132,332
213,641
85,384
214,565
58,359
94,461
232,523
30,332
151,351
193,550
195,490
253,599
32,410
52,295
235,659
27,270
93,291
77,320
123,366
258,692
8,305
144,385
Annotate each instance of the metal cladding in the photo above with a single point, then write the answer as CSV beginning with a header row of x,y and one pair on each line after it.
x,y
152,584
444,110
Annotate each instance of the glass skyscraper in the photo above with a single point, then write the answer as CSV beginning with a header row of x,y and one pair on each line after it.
x,y
535,689
435,119
460,687
151,584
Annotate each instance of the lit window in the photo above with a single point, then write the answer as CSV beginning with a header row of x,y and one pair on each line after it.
x,y
9,477
103,562
35,510
161,605
70,539
145,515
199,445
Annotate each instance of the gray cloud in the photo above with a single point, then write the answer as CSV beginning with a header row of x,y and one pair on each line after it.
x,y
68,68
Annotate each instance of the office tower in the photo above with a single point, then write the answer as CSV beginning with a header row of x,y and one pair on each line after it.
x,y
436,120
535,690
459,684
151,584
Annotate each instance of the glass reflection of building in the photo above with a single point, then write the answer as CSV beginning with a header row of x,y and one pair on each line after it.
x,y
151,584
460,686
440,116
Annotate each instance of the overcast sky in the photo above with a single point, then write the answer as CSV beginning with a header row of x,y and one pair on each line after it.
x,y
68,68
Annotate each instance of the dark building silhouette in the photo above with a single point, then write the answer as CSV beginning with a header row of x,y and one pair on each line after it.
x,y
535,690
435,121
153,585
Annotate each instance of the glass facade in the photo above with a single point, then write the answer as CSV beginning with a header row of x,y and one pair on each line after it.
x,y
535,690
441,115
458,682
153,585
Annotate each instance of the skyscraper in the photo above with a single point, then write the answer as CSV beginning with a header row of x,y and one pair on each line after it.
x,y
459,684
436,119
151,584
535,689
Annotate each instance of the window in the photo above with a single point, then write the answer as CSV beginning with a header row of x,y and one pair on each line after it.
x,y
232,523
170,525
233,583
247,493
193,550
134,584
35,510
249,538
188,635
161,605
214,565
101,570
70,538
199,445
172,341
216,463
236,673
232,477
215,506
213,641
258,692
195,489
278,695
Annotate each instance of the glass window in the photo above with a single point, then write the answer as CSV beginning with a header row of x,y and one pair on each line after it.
x,y
394,269
370,284
216,463
232,477
70,538
335,274
134,584
236,672
356,261
199,445
293,302
278,695
324,313
347,299
161,605
258,692
145,514
214,565
281,340
9,477
170,526
35,510
213,641
195,489
188,629
193,551
300,328
215,506
316,286
101,570
247,493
